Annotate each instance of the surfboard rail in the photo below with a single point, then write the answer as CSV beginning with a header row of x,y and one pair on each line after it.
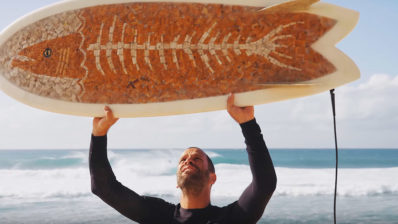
x,y
346,70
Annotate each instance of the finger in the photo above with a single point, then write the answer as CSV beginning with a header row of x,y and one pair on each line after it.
x,y
107,109
96,119
110,117
249,108
109,113
231,100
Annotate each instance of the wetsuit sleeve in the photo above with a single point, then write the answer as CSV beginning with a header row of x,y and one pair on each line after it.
x,y
112,192
256,196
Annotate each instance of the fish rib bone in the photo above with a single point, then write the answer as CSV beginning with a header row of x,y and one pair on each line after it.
x,y
120,49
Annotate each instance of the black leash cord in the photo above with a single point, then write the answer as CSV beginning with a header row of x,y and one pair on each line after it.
x,y
337,155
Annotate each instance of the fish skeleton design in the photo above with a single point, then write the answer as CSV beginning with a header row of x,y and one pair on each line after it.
x,y
158,52
262,47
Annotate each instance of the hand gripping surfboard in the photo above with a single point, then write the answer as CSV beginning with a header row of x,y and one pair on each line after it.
x,y
170,57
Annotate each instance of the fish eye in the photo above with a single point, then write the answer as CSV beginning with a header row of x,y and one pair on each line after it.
x,y
47,52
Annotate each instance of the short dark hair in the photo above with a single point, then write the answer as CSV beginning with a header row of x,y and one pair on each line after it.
x,y
210,166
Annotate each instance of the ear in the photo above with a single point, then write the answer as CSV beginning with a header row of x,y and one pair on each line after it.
x,y
213,178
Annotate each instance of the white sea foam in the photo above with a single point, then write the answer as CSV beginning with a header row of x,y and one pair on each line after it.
x,y
155,176
44,183
76,155
212,154
156,163
351,182
303,182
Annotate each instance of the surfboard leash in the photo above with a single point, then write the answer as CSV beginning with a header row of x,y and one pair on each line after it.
x,y
337,155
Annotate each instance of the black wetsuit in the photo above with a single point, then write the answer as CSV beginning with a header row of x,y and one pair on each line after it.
x,y
143,209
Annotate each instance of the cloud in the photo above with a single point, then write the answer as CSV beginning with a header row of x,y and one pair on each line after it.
x,y
369,112
367,116
374,100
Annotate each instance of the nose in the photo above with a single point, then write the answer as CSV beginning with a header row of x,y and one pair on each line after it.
x,y
188,160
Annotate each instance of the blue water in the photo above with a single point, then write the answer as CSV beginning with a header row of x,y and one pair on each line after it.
x,y
291,158
319,158
38,159
53,186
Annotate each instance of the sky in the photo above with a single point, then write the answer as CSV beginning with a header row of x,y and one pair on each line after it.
x,y
367,111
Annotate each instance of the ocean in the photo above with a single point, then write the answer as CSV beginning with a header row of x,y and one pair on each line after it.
x,y
53,186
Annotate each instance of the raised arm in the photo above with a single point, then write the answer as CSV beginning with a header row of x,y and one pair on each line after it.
x,y
104,183
256,196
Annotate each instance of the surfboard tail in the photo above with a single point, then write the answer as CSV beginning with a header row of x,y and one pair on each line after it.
x,y
304,43
345,69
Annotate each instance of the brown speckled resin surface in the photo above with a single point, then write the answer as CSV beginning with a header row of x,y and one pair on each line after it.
x,y
158,52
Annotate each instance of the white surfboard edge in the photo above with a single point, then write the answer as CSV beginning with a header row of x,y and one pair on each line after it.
x,y
346,70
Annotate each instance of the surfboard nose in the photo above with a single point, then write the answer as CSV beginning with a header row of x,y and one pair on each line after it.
x,y
24,33
14,61
6,57
29,66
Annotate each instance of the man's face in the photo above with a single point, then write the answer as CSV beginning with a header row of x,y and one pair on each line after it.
x,y
193,172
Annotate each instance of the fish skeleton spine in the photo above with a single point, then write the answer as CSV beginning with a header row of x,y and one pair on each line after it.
x,y
157,52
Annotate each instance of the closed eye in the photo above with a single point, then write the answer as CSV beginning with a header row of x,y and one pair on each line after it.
x,y
196,159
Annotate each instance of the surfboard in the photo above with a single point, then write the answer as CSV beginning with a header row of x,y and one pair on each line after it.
x,y
154,58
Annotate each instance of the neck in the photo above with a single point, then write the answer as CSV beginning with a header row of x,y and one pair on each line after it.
x,y
191,200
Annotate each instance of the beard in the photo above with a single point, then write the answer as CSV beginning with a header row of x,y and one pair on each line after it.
x,y
193,183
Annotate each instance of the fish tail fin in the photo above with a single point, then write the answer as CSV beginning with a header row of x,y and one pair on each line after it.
x,y
287,46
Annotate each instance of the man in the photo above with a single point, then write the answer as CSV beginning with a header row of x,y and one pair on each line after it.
x,y
195,177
